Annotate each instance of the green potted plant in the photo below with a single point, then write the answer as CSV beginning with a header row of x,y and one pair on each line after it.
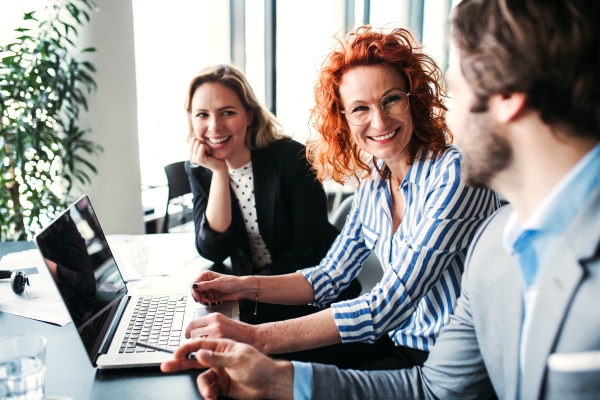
x,y
43,85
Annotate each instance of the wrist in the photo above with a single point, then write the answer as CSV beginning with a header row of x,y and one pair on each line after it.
x,y
221,172
249,287
281,384
259,332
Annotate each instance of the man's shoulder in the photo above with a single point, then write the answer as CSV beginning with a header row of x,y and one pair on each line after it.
x,y
493,227
486,249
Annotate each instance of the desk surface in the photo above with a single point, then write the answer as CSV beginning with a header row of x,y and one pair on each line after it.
x,y
69,371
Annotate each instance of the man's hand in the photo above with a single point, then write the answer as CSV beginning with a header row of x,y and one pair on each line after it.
x,y
236,370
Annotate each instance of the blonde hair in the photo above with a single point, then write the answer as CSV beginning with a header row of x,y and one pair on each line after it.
x,y
264,130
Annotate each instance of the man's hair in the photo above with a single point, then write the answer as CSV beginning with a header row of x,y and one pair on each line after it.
x,y
264,130
547,49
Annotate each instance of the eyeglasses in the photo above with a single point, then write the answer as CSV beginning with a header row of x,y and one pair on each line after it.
x,y
395,103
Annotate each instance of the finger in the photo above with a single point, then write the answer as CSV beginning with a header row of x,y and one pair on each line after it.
x,y
206,291
194,294
210,295
212,358
199,294
202,299
195,324
179,365
208,385
194,144
198,334
204,150
195,345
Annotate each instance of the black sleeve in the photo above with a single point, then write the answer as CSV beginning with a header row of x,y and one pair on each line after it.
x,y
212,245
311,232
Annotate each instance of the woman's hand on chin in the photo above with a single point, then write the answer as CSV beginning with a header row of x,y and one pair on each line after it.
x,y
200,154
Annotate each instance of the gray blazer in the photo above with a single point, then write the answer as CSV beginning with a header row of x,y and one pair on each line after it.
x,y
476,355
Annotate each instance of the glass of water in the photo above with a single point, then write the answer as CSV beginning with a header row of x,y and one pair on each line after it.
x,y
22,367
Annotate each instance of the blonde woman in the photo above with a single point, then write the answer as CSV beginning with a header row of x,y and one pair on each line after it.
x,y
255,196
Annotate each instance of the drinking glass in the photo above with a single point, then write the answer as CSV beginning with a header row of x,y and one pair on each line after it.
x,y
22,367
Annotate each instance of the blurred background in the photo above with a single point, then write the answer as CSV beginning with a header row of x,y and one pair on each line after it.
x,y
149,50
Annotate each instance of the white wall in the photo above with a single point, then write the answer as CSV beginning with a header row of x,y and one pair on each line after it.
x,y
116,190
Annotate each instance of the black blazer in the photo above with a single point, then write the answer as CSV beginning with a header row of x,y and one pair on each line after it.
x,y
291,209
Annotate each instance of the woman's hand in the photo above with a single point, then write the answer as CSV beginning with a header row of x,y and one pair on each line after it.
x,y
210,288
218,326
200,154
236,370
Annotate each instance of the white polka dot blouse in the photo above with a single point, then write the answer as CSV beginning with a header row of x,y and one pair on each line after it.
x,y
242,183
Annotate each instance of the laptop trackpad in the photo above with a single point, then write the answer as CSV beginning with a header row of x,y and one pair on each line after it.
x,y
203,312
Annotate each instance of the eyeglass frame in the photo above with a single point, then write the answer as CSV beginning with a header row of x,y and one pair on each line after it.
x,y
381,106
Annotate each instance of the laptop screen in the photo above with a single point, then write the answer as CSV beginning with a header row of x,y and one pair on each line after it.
x,y
84,269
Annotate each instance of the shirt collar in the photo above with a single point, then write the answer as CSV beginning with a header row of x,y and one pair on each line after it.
x,y
417,172
560,205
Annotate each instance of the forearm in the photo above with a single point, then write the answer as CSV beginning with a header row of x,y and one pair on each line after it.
x,y
312,331
289,289
218,209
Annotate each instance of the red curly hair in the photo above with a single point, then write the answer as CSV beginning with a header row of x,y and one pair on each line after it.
x,y
333,153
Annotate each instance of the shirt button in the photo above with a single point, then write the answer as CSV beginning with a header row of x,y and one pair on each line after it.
x,y
532,292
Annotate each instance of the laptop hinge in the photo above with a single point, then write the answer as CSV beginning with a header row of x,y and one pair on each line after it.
x,y
105,345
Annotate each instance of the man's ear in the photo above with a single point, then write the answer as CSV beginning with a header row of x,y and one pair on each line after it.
x,y
506,108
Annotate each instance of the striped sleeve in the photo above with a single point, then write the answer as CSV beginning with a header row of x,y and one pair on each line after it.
x,y
449,214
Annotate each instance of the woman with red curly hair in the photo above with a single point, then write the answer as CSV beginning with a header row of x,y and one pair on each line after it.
x,y
379,117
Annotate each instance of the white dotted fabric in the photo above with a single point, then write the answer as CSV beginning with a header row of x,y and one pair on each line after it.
x,y
242,183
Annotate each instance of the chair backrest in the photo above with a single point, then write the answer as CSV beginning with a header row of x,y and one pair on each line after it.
x,y
338,219
179,184
178,181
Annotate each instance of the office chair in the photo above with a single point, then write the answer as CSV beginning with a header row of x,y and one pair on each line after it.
x,y
371,272
179,184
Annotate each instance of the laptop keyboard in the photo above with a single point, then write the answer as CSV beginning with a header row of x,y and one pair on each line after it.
x,y
157,320
89,334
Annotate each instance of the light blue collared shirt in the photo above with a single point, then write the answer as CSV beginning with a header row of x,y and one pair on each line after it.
x,y
533,241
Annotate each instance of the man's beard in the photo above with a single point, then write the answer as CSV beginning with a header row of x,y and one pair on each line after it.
x,y
486,155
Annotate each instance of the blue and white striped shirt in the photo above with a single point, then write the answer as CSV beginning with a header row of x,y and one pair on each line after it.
x,y
422,261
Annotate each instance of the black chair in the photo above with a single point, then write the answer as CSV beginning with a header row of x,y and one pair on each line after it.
x,y
179,185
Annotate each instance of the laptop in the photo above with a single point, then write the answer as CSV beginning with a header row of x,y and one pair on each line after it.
x,y
109,318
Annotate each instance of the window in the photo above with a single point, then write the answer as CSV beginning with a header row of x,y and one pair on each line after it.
x,y
173,42
304,37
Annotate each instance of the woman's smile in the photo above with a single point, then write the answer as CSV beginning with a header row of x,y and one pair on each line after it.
x,y
384,138
218,142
